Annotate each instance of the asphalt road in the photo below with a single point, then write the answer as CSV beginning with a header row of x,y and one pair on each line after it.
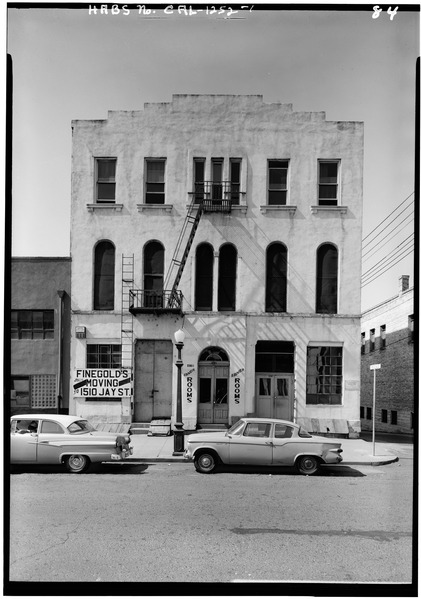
x,y
167,523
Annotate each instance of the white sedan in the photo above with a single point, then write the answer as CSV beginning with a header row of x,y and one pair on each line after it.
x,y
58,439
262,442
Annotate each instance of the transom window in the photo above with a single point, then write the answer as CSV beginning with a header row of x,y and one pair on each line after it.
x,y
277,182
103,356
328,178
155,181
32,324
324,375
105,180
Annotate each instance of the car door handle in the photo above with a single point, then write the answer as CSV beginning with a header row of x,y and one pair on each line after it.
x,y
268,443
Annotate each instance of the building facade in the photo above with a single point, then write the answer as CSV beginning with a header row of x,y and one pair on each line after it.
x,y
239,222
40,335
387,338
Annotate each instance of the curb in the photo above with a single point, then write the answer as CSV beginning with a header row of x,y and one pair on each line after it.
x,y
188,460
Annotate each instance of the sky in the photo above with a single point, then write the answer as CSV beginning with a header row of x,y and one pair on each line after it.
x,y
353,65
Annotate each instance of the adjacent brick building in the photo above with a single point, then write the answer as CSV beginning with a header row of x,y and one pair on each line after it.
x,y
40,335
387,338
239,221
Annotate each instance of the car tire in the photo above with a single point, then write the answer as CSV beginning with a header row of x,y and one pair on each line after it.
x,y
76,463
206,462
307,464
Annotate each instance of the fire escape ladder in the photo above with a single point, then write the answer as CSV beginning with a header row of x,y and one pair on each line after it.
x,y
127,284
180,256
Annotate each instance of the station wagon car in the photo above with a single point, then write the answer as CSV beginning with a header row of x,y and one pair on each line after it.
x,y
63,439
262,442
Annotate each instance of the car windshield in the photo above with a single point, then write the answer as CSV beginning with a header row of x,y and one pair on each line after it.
x,y
236,428
303,433
80,426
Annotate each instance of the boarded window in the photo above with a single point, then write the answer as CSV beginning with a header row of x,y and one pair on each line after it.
x,y
276,278
327,280
104,276
227,277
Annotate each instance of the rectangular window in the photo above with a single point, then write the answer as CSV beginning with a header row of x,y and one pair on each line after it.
x,y
384,416
324,375
372,339
368,413
362,343
103,356
411,328
235,179
199,180
217,176
19,392
155,181
32,324
277,182
328,182
393,417
361,411
383,336
105,169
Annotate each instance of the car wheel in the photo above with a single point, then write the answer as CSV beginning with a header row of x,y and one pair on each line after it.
x,y
205,462
77,463
307,464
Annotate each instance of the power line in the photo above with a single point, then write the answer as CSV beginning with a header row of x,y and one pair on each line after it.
x,y
391,223
404,242
385,267
385,219
389,267
379,247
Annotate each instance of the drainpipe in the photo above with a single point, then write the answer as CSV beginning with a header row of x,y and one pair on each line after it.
x,y
60,294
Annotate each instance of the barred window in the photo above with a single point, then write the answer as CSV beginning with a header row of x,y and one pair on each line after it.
x,y
324,375
103,356
32,324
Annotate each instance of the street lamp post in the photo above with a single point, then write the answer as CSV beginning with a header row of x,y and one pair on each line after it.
x,y
179,433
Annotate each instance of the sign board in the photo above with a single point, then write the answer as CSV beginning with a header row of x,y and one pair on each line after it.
x,y
102,383
375,366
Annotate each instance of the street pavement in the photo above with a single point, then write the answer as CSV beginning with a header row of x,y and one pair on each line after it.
x,y
155,448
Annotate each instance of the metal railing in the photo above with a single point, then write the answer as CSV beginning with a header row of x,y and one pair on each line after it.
x,y
145,300
216,196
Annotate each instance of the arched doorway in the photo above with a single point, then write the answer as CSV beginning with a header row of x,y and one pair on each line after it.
x,y
213,386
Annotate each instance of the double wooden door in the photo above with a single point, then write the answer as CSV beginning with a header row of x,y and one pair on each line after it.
x,y
274,396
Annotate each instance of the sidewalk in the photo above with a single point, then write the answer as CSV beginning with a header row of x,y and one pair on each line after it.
x,y
355,451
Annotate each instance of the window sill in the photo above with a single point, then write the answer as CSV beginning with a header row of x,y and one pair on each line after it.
x,y
110,206
162,207
268,208
341,209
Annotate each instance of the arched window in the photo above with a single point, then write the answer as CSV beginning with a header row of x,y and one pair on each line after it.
x,y
327,279
276,278
153,274
204,276
104,276
227,277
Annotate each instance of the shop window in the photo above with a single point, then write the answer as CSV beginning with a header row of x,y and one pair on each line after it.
x,y
372,339
384,416
324,375
328,194
153,274
155,181
32,324
204,277
327,279
276,278
383,336
105,172
103,356
393,417
104,276
227,277
277,182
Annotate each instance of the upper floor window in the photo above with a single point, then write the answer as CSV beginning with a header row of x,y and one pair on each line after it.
x,y
362,343
155,181
227,277
223,189
411,328
276,278
103,355
32,324
324,375
382,336
277,182
199,179
235,180
328,182
327,279
153,274
105,170
372,339
104,276
217,178
204,277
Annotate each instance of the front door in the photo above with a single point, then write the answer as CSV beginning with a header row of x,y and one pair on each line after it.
x,y
213,394
274,396
153,380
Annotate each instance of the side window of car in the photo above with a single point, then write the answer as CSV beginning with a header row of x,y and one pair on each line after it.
x,y
257,429
283,431
51,427
26,426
